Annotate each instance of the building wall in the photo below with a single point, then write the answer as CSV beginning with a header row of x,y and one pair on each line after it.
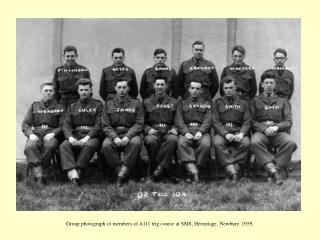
x,y
95,38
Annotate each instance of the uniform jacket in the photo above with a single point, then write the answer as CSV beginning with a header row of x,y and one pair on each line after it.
x,y
159,113
83,118
65,78
148,78
126,120
275,110
203,70
245,77
190,113
284,82
42,119
231,116
108,81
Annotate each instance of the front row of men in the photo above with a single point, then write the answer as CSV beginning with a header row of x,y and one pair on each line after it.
x,y
169,125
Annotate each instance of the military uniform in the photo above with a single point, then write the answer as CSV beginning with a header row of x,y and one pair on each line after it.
x,y
245,77
266,112
284,82
202,70
120,120
64,81
109,77
194,115
159,70
159,115
231,115
42,118
83,118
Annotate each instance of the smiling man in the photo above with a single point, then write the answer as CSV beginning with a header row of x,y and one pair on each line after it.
x,y
198,68
160,133
82,126
43,127
271,121
118,70
66,76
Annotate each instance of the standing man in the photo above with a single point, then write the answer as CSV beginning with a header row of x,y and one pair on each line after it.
x,y
159,69
246,84
193,120
114,72
122,124
42,126
161,135
284,77
66,76
82,126
271,120
231,120
198,68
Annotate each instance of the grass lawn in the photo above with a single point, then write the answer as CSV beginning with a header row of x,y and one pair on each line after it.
x,y
98,195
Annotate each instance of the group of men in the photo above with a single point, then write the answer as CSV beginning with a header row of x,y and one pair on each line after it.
x,y
177,117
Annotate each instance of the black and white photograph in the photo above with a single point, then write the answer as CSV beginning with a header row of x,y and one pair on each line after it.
x,y
158,114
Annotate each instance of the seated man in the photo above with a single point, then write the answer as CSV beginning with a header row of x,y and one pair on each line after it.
x,y
161,135
231,120
82,126
42,126
122,124
271,119
193,120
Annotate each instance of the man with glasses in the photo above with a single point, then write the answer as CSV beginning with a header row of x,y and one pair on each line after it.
x,y
118,70
284,77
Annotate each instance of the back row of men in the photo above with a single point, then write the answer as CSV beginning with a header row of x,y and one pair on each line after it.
x,y
169,125
66,76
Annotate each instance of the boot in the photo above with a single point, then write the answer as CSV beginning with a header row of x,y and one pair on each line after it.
x,y
122,174
276,178
193,170
157,174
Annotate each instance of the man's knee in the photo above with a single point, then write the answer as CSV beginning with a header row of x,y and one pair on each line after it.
x,y
135,141
151,140
107,143
172,139
30,145
51,144
218,140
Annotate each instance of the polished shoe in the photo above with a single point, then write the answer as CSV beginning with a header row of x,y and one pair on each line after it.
x,y
276,178
76,181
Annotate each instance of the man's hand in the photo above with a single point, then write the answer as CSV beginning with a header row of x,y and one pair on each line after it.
x,y
238,137
33,137
117,141
230,137
125,140
82,141
197,136
152,131
189,136
48,136
73,141
271,131
173,131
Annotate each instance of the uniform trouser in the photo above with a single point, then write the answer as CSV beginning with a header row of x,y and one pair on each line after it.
x,y
282,141
229,153
197,151
78,157
161,149
130,156
40,152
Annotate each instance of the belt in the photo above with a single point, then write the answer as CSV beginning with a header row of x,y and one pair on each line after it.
x,y
161,125
194,124
43,126
120,127
83,127
269,122
229,124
